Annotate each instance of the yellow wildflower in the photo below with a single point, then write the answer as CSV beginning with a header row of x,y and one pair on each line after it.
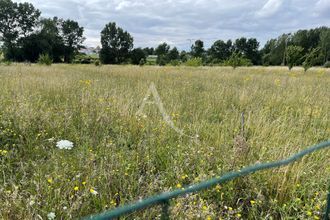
x,y
76,188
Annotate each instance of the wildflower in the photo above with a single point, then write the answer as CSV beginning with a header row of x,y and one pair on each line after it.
x,y
208,218
316,217
84,183
230,208
64,144
252,202
51,216
277,82
93,191
204,208
184,177
76,188
178,185
317,207
238,215
3,152
309,213
49,180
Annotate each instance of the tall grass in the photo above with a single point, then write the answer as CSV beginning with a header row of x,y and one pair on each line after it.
x,y
124,157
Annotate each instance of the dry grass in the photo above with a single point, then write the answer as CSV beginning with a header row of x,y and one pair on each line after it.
x,y
125,158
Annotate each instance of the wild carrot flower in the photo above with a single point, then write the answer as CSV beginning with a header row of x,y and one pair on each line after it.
x,y
64,144
51,216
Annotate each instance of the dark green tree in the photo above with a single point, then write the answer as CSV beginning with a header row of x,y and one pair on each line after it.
x,y
325,44
197,50
137,55
294,55
220,51
162,54
173,54
72,36
116,44
249,48
17,21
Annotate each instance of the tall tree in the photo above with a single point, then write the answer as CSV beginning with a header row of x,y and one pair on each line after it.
x,y
325,43
137,55
220,50
197,50
248,48
294,55
116,44
173,54
72,35
16,22
162,51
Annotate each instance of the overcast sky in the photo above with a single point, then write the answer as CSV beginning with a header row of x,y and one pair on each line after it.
x,y
151,22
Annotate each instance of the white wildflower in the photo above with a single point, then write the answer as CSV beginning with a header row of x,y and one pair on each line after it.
x,y
51,216
64,144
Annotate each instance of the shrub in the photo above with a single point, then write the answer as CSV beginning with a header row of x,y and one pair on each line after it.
x,y
174,63
236,59
44,59
197,61
142,62
327,64
97,63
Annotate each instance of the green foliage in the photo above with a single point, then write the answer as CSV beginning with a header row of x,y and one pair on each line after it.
x,y
220,51
327,64
85,59
312,58
142,62
97,63
45,59
325,43
293,55
137,55
72,36
196,61
236,60
174,63
248,48
116,44
197,50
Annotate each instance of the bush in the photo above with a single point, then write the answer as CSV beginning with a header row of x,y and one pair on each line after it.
x,y
236,59
142,62
44,59
174,63
327,64
97,63
197,61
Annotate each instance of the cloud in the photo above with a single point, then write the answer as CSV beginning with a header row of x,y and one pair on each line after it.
x,y
175,21
322,7
269,9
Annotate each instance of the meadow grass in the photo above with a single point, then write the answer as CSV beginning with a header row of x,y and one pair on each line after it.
x,y
124,157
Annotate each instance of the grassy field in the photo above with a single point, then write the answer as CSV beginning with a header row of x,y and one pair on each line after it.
x,y
124,157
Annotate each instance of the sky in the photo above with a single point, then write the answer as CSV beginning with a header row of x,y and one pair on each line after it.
x,y
181,22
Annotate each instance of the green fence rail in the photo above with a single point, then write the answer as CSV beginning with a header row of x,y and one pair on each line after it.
x,y
164,198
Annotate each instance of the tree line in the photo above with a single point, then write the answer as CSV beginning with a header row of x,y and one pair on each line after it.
x,y
25,36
